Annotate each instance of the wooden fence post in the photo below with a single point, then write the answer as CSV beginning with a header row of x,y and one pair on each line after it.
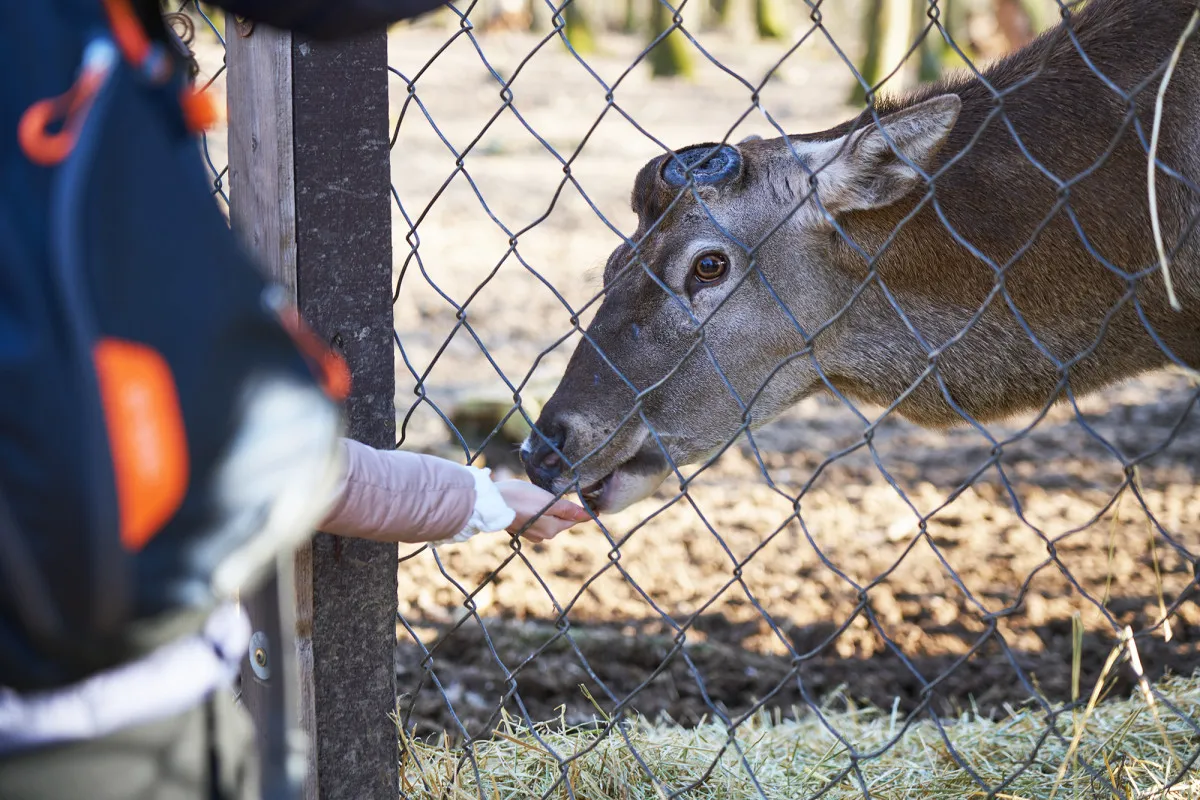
x,y
310,195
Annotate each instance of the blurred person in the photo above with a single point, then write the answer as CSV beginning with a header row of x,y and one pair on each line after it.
x,y
167,424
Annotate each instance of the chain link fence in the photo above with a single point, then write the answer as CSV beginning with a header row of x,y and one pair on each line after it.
x,y
839,602
201,32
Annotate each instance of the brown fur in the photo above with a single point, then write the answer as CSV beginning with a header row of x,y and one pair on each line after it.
x,y
997,200
989,192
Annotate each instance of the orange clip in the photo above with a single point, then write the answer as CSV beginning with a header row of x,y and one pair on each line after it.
x,y
33,131
199,110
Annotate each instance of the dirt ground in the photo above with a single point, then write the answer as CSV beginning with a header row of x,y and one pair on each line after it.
x,y
975,614
725,601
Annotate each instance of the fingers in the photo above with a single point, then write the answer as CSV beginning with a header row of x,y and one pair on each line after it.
x,y
536,535
542,529
546,528
530,503
566,510
551,523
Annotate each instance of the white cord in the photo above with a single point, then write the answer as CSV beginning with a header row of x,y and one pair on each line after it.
x,y
1150,165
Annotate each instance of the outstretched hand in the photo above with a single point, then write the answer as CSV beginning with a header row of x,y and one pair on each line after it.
x,y
527,500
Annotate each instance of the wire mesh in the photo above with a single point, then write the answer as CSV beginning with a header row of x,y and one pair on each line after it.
x,y
941,577
835,557
201,32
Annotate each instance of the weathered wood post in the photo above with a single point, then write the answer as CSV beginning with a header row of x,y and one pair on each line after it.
x,y
309,193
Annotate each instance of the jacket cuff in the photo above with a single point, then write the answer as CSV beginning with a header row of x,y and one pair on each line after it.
x,y
490,514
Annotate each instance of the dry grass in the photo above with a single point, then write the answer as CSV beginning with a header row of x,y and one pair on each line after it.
x,y
1128,744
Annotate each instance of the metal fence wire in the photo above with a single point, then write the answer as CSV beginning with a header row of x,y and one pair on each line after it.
x,y
839,558
195,28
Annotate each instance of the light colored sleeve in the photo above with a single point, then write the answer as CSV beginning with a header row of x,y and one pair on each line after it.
x,y
395,496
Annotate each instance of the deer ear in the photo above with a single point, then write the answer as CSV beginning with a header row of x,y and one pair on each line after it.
x,y
867,171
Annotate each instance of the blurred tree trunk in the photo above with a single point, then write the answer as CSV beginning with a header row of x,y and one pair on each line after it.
x,y
932,54
578,28
215,15
630,24
1013,23
736,18
869,68
540,16
1021,20
768,19
954,20
1042,14
723,10
898,37
703,15
672,56
888,35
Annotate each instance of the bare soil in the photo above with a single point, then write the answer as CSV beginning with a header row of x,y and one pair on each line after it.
x,y
713,608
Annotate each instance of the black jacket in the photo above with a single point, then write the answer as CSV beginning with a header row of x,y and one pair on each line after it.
x,y
328,19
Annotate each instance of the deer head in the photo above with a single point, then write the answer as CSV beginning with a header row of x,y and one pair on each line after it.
x,y
708,310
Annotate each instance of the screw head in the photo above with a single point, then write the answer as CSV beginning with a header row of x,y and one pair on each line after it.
x,y
259,655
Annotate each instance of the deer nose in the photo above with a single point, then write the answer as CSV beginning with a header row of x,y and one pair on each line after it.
x,y
542,463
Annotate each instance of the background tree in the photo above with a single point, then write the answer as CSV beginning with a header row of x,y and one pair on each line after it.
x,y
673,55
769,19
578,28
887,27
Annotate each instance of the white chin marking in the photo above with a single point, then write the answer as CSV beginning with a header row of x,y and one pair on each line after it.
x,y
527,447
624,489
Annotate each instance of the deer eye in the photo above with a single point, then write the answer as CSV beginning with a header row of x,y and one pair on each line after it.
x,y
710,267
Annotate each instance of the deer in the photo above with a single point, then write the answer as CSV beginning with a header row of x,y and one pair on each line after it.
x,y
976,249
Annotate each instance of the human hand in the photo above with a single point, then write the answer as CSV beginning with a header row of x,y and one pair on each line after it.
x,y
527,500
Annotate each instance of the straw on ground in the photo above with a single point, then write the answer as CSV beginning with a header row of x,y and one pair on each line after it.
x,y
1121,745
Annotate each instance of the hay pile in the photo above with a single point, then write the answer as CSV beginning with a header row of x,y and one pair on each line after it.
x,y
1138,747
